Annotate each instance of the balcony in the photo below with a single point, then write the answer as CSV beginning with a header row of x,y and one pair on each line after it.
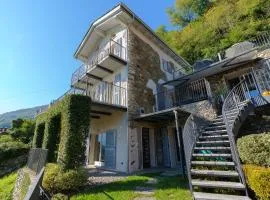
x,y
105,96
101,64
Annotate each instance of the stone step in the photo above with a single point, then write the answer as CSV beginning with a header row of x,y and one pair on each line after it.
x,y
213,142
222,127
217,123
213,196
212,148
212,163
214,137
223,155
216,173
214,132
217,184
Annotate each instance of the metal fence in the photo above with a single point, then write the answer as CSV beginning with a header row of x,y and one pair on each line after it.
x,y
37,159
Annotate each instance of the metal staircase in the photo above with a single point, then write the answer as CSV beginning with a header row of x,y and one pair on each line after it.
x,y
214,168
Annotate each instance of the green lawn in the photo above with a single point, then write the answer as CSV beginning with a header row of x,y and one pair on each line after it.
x,y
6,186
173,188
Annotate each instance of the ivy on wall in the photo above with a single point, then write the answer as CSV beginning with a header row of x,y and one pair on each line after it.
x,y
63,129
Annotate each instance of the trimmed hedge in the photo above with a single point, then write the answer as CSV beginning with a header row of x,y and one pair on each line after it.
x,y
66,125
38,135
56,180
255,149
52,136
258,179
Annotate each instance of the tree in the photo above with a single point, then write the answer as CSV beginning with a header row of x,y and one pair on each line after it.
x,y
186,11
23,130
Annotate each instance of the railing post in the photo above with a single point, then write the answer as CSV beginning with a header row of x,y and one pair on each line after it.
x,y
234,99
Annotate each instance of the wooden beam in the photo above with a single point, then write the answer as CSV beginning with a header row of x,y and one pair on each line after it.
x,y
95,117
94,77
100,112
104,69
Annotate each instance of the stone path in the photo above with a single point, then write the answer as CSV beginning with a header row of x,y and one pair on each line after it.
x,y
146,193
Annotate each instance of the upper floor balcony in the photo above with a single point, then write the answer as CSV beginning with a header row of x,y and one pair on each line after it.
x,y
102,63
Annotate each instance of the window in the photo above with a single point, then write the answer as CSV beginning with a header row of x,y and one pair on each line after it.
x,y
168,66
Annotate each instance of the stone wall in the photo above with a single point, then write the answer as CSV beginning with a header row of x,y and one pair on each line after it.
x,y
143,66
203,109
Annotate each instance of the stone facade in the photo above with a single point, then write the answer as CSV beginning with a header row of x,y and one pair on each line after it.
x,y
144,65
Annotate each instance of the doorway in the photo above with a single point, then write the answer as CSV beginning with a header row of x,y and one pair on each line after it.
x,y
146,148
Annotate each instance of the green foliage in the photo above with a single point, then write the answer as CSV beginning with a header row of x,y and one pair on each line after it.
x,y
52,136
38,135
255,149
223,24
23,130
7,184
56,180
10,148
66,122
60,196
258,179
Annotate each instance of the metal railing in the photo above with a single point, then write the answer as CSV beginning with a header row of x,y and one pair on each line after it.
x,y
111,48
37,159
232,106
192,129
187,93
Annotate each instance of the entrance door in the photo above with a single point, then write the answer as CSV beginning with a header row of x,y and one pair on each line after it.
x,y
159,147
117,90
250,85
110,149
166,149
146,147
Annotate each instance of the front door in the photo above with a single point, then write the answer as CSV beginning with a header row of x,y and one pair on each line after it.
x,y
146,147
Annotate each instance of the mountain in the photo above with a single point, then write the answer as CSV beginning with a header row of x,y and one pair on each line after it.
x,y
28,113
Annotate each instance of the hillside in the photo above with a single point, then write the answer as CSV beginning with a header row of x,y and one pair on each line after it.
x,y
28,113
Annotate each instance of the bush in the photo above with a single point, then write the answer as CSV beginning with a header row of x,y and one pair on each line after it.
x,y
38,135
255,149
56,180
10,148
258,179
23,130
59,196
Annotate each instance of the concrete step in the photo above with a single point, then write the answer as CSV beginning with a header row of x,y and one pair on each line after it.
x,y
222,155
216,173
214,131
222,127
214,137
212,148
213,142
218,184
217,123
212,163
213,196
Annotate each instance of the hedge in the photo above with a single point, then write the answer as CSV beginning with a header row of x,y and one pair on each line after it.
x,y
255,149
52,136
66,127
56,180
38,135
258,179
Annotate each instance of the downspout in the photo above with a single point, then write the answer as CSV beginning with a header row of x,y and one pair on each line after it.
x,y
133,19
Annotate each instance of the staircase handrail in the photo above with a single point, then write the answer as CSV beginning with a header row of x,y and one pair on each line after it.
x,y
235,100
191,132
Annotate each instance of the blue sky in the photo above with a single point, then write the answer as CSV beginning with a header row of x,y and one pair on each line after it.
x,y
38,39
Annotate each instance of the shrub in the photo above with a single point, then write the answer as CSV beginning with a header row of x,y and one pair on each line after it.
x,y
258,179
57,180
10,148
51,137
255,149
38,136
23,130
60,196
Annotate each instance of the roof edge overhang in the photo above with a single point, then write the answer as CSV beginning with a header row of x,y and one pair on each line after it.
x,y
123,8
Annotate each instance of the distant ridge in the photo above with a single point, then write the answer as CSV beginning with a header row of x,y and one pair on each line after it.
x,y
28,113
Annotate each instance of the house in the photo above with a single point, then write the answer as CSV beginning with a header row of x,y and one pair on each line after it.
x,y
147,112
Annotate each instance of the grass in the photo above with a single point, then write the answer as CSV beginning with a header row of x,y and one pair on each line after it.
x,y
6,186
173,188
